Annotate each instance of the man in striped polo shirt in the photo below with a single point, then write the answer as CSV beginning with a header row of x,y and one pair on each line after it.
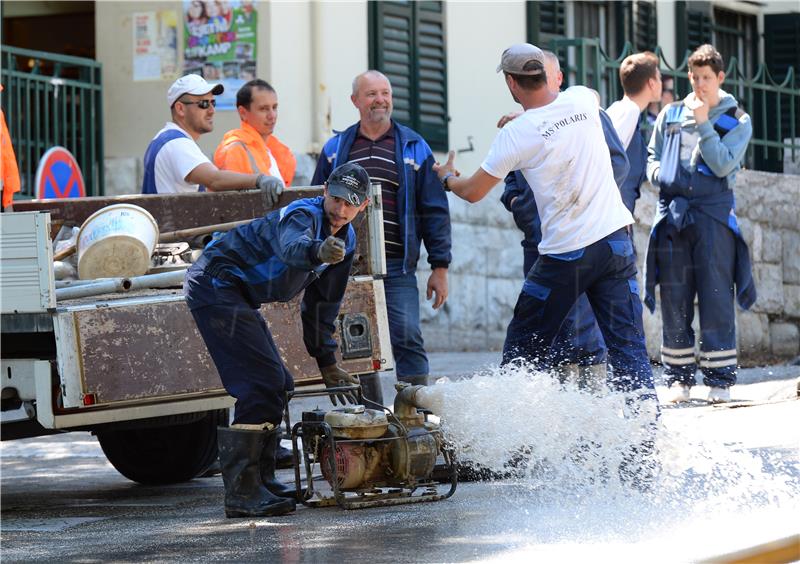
x,y
415,210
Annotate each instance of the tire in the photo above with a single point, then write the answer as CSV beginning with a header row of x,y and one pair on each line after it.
x,y
167,454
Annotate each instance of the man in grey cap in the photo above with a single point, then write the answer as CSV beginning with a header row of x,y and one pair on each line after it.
x,y
174,162
559,147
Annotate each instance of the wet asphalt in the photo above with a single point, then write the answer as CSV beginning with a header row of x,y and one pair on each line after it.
x,y
61,501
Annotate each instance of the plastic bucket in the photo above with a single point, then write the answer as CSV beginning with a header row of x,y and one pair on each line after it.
x,y
116,241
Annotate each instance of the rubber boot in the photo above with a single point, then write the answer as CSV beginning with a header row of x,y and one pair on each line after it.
x,y
568,374
283,457
593,378
371,388
214,469
418,380
240,452
267,466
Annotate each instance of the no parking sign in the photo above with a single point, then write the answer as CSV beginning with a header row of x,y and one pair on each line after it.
x,y
59,176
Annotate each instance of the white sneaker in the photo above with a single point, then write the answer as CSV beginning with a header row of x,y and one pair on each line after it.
x,y
678,393
719,395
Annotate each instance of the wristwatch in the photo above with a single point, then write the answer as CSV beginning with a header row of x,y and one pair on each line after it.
x,y
443,180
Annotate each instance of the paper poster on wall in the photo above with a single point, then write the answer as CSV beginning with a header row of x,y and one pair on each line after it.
x,y
155,45
220,44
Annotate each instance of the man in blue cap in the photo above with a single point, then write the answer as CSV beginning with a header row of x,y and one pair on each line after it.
x,y
307,246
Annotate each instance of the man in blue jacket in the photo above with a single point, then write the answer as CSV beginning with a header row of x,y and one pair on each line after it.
x,y
696,247
306,246
415,210
578,349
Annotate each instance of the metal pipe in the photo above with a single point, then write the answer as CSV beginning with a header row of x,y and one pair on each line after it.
x,y
73,283
410,398
117,285
181,234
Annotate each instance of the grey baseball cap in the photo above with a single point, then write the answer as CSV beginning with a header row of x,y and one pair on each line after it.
x,y
350,182
522,58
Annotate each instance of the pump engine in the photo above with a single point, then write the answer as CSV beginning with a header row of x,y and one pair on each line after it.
x,y
373,457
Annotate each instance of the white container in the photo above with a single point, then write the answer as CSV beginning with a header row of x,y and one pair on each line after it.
x,y
116,241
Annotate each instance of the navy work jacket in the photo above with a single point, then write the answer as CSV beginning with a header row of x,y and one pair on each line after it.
x,y
687,197
421,200
273,259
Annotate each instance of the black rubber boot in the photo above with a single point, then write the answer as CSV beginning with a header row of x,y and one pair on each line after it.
x,y
371,387
419,380
267,466
214,469
240,451
283,457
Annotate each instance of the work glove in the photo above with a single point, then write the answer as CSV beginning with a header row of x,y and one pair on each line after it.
x,y
334,377
271,188
331,250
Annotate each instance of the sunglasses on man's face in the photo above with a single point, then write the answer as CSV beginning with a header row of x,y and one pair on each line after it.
x,y
202,104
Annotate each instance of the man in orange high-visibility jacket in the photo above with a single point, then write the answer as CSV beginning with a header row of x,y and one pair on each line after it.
x,y
9,172
253,148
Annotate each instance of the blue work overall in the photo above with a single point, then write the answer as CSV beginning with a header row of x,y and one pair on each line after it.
x,y
696,249
271,259
637,174
606,272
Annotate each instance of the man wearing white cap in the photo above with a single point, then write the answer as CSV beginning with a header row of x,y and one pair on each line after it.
x,y
559,147
174,162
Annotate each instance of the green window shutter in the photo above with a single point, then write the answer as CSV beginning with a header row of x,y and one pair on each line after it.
x,y
545,20
781,40
407,43
552,19
431,51
698,30
646,29
391,52
693,24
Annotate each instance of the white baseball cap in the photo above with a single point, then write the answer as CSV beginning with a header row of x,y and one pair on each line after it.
x,y
191,84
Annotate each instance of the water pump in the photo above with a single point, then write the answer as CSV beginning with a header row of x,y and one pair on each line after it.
x,y
374,457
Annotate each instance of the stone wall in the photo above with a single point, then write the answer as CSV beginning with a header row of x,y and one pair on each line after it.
x,y
486,273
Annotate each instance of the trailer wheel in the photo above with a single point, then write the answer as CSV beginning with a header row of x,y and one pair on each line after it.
x,y
164,455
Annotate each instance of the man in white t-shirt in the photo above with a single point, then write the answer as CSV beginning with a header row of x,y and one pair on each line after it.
x,y
559,147
173,161
641,82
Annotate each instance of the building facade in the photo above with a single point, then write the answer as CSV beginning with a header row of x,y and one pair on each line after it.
x,y
441,58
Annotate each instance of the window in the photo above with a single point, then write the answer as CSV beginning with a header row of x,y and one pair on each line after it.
x,y
407,44
736,35
546,20
781,37
644,26
693,22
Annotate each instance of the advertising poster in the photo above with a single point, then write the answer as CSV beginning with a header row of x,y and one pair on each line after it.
x,y
155,45
220,44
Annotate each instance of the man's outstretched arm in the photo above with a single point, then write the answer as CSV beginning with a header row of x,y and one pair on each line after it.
x,y
472,189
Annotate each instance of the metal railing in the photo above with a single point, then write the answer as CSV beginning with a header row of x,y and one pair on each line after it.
x,y
51,100
773,106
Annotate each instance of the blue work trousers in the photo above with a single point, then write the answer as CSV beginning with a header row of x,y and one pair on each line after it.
x,y
698,260
606,272
405,333
247,360
579,340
